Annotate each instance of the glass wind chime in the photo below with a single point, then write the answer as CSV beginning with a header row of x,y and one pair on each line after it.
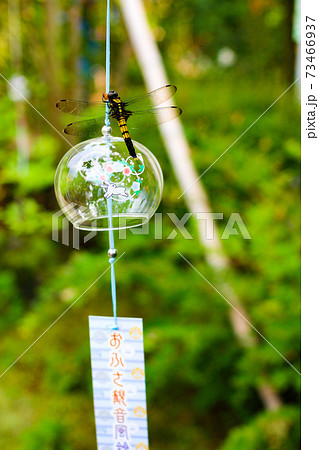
x,y
106,184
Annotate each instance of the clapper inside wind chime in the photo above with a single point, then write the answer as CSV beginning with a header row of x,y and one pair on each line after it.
x,y
105,184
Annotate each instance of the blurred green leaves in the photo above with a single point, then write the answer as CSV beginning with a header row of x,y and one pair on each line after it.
x,y
201,384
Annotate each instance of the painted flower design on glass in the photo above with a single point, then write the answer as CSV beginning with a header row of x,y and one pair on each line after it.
x,y
119,178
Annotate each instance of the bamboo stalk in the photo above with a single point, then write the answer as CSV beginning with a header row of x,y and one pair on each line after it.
x,y
21,126
196,199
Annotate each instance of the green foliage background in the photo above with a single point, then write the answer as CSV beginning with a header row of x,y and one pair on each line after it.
x,y
201,383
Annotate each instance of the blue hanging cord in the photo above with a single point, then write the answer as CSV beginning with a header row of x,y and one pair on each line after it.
x,y
107,58
107,123
112,261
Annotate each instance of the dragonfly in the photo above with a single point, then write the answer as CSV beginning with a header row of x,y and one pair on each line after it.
x,y
139,112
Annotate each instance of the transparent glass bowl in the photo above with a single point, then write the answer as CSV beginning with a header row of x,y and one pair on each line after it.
x,y
99,186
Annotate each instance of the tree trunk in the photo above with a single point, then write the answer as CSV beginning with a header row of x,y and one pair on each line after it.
x,y
53,70
21,126
196,199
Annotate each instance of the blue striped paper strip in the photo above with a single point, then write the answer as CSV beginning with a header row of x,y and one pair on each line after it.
x,y
118,374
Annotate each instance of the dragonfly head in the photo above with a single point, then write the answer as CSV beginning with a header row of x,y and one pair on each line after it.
x,y
110,96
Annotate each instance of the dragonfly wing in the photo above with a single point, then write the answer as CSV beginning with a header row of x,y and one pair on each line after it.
x,y
156,97
86,128
151,117
79,108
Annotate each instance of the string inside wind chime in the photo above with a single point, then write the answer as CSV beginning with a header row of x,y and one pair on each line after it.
x,y
104,184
